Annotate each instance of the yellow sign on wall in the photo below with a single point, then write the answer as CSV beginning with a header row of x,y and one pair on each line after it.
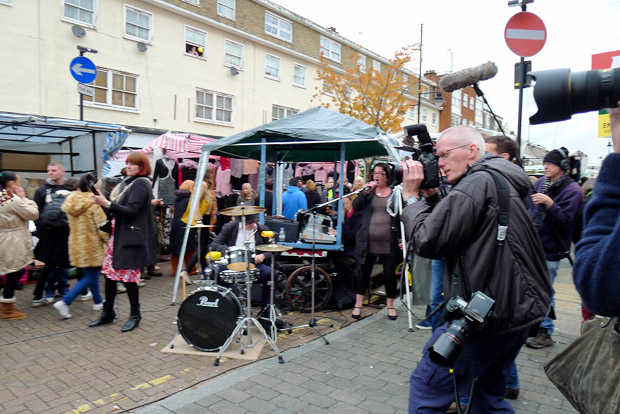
x,y
604,127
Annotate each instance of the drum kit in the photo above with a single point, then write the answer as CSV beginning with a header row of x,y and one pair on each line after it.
x,y
213,316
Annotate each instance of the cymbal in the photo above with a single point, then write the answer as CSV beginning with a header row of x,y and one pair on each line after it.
x,y
273,248
242,210
200,226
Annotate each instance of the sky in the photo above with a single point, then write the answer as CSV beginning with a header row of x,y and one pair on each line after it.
x,y
459,34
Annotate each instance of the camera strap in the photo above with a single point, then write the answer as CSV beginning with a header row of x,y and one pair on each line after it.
x,y
502,220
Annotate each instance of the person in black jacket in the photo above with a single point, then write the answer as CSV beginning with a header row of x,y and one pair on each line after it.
x,y
312,196
132,241
380,244
463,229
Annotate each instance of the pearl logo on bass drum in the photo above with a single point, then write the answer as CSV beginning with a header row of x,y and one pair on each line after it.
x,y
204,301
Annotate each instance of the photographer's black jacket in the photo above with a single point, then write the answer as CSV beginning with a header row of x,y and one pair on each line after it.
x,y
462,228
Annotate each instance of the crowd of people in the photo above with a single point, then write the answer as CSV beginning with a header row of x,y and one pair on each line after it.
x,y
490,231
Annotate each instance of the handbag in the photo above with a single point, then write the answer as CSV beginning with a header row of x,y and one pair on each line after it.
x,y
587,371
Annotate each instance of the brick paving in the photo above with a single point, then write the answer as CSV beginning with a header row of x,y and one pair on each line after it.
x,y
62,366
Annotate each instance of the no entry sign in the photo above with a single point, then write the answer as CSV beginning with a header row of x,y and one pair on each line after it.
x,y
525,34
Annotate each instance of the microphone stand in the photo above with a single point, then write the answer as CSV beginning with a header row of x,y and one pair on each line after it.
x,y
314,210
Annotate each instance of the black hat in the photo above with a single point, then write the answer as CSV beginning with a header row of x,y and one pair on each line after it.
x,y
558,157
293,181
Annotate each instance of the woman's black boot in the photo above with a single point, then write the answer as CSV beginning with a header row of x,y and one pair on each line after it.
x,y
107,316
133,321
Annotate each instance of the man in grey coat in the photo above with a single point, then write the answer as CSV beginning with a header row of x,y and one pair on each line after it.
x,y
463,229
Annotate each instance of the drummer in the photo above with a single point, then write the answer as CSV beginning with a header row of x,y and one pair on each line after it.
x,y
232,235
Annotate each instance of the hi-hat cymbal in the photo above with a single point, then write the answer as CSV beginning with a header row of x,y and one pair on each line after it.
x,y
273,248
200,226
242,210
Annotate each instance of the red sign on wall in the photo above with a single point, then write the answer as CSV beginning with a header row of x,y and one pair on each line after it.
x,y
525,34
607,60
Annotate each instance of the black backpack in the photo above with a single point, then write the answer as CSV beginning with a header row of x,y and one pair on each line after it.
x,y
52,216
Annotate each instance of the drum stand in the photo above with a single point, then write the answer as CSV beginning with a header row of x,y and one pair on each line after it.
x,y
248,320
271,308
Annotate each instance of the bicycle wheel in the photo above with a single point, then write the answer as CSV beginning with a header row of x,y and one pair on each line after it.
x,y
299,289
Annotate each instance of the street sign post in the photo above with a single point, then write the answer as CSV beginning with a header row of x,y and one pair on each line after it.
x,y
83,69
87,90
525,34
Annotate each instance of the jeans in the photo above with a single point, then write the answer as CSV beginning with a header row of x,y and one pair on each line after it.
x,y
90,280
512,381
436,293
49,274
431,388
548,324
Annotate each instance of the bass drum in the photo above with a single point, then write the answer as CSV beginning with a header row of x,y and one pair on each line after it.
x,y
208,317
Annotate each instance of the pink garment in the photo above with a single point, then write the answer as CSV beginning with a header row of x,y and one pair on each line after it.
x,y
123,275
222,181
236,166
320,176
250,166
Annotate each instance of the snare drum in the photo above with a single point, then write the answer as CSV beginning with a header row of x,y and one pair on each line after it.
x,y
236,257
208,317
233,277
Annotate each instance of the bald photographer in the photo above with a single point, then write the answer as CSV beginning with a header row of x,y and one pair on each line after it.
x,y
495,278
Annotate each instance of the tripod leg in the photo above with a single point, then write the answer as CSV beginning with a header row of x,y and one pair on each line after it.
x,y
269,340
239,326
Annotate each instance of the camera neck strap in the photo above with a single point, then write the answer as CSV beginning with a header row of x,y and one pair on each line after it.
x,y
502,220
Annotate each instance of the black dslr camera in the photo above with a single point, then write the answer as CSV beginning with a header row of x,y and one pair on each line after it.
x,y
559,93
425,155
466,319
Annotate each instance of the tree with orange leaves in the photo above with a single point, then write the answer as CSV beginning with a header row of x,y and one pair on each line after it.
x,y
378,98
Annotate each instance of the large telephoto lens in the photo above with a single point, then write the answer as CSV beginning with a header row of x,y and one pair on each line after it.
x,y
559,93
447,348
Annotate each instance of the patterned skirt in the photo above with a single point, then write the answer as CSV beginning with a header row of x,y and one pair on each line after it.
x,y
122,275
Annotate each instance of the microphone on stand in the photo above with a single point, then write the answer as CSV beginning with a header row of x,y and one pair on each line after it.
x,y
467,77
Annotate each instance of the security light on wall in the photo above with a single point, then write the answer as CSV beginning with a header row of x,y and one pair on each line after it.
x,y
234,71
141,47
78,31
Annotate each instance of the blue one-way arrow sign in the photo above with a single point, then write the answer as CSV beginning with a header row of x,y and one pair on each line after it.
x,y
83,69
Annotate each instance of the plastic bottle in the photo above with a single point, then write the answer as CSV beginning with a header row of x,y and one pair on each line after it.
x,y
282,235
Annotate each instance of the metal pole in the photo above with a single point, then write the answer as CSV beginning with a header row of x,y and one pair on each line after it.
x,y
81,98
522,63
420,74
202,169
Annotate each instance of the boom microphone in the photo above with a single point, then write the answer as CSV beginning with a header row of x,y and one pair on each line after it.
x,y
467,77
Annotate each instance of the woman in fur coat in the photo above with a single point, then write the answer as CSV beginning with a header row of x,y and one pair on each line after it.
x,y
87,244
15,239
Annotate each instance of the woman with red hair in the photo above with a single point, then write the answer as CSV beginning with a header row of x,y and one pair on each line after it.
x,y
132,241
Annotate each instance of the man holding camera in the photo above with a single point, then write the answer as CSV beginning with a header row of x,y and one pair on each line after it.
x,y
463,228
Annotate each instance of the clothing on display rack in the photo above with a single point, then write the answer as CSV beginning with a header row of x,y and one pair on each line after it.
x,y
165,179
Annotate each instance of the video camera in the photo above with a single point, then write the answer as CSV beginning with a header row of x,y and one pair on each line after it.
x,y
466,319
559,93
424,154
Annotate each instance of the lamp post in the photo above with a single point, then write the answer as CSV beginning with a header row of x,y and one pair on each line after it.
x,y
437,100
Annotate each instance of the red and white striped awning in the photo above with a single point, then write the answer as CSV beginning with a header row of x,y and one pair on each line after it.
x,y
177,146
172,142
180,145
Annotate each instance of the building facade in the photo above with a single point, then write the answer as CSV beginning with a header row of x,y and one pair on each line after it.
x,y
208,67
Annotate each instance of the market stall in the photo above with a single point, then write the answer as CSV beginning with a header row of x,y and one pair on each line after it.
x,y
315,135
